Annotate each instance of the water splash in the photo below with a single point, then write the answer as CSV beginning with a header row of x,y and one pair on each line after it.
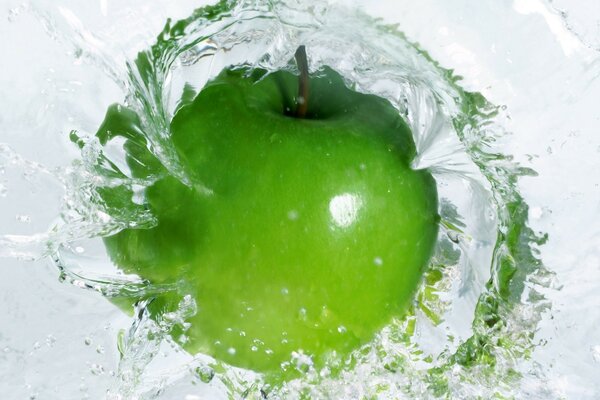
x,y
478,306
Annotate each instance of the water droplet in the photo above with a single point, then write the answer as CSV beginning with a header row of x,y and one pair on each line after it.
x,y
302,314
23,218
36,345
285,291
205,373
100,349
293,215
50,340
231,351
453,236
88,341
378,261
97,369
170,317
301,361
121,344
342,329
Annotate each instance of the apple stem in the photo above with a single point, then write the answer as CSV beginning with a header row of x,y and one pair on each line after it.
x,y
302,99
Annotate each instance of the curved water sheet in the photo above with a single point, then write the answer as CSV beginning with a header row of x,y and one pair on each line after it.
x,y
475,313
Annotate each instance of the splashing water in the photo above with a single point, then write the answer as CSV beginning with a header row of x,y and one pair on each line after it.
x,y
472,324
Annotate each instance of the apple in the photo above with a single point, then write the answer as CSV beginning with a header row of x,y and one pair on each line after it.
x,y
295,222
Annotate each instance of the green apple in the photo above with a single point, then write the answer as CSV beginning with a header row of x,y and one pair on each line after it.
x,y
297,229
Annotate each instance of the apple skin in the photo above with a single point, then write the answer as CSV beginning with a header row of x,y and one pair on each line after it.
x,y
295,234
